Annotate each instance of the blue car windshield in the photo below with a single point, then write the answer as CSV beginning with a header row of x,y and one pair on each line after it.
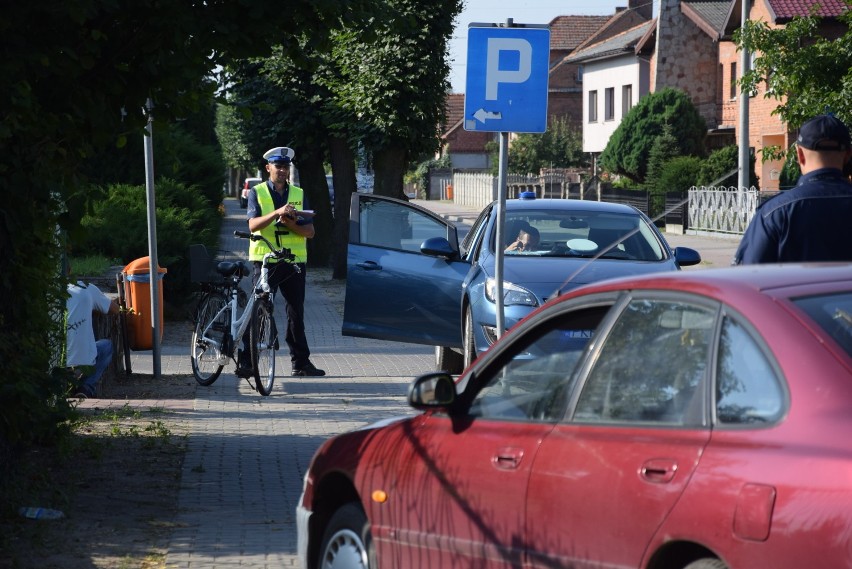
x,y
568,233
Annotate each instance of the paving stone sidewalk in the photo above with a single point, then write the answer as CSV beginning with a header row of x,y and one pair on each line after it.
x,y
247,454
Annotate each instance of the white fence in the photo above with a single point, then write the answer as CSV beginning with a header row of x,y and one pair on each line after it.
x,y
721,210
709,210
476,189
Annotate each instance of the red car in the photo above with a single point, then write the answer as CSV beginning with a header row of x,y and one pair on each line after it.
x,y
693,419
248,185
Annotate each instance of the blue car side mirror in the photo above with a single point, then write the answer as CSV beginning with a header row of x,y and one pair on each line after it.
x,y
686,257
438,247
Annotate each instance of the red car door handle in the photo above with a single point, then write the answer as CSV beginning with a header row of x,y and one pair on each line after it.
x,y
659,470
508,458
369,266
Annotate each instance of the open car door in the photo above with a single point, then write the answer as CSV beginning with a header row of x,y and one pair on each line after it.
x,y
404,273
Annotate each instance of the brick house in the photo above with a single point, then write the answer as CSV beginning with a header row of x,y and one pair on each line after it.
x,y
764,128
690,47
615,76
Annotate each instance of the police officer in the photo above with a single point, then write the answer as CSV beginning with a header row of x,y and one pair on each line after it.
x,y
275,211
811,222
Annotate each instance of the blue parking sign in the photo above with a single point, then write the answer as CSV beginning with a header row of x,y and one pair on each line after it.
x,y
507,72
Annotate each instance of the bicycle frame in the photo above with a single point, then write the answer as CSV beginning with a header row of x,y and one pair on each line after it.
x,y
217,336
239,324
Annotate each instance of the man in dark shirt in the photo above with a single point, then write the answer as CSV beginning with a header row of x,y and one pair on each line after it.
x,y
813,221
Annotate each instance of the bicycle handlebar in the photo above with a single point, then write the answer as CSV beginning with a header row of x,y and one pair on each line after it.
x,y
283,253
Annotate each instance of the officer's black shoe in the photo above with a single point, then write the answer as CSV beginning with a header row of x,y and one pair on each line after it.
x,y
244,367
308,370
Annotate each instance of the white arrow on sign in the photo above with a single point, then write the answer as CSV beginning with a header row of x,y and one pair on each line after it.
x,y
482,115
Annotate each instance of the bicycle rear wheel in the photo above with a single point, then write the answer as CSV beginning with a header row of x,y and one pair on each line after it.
x,y
208,338
263,345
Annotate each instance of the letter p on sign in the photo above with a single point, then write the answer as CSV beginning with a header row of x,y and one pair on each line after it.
x,y
494,75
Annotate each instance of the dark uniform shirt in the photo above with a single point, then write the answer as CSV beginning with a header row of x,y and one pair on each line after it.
x,y
279,200
811,222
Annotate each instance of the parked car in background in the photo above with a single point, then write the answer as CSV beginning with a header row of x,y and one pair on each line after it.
x,y
409,279
680,420
247,185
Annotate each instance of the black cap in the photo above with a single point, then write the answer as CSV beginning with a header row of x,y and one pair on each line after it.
x,y
825,132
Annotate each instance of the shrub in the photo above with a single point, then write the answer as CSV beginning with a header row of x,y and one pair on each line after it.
x,y
628,148
721,162
118,228
678,174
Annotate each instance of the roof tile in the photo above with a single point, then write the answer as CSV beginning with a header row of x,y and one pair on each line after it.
x,y
786,9
567,32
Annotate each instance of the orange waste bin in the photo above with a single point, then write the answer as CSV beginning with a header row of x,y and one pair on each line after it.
x,y
449,191
137,297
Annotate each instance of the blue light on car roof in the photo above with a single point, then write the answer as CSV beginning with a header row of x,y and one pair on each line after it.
x,y
526,196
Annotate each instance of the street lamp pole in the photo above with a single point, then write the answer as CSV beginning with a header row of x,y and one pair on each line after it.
x,y
744,154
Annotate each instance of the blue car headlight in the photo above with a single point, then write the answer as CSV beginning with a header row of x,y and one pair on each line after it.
x,y
513,295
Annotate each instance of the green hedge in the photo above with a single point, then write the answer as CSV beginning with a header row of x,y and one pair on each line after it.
x,y
118,228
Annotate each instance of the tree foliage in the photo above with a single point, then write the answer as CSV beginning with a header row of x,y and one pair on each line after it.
x,y
380,88
664,148
275,101
78,86
392,75
721,168
628,148
806,72
560,146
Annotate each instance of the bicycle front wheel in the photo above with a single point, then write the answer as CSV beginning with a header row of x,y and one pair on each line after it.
x,y
263,345
208,338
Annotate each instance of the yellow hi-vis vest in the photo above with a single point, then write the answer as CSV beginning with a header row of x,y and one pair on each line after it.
x,y
278,235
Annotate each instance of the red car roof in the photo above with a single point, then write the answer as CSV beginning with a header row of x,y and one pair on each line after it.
x,y
761,278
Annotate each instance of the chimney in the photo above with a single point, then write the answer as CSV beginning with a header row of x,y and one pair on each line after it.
x,y
644,8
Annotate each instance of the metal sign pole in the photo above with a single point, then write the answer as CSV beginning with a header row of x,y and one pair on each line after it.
x,y
152,239
502,171
506,91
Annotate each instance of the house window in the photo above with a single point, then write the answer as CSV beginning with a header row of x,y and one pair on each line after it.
x,y
593,106
609,103
733,80
579,74
626,99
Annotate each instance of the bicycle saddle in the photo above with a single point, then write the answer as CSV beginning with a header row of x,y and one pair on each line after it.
x,y
230,268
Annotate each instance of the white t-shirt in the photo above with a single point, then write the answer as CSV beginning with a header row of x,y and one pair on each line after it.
x,y
80,336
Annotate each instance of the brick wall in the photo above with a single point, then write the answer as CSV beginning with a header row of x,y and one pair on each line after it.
x,y
689,61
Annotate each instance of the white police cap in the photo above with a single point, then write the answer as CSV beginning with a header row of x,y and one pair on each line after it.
x,y
279,154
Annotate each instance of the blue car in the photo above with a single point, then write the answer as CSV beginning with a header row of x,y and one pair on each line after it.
x,y
410,280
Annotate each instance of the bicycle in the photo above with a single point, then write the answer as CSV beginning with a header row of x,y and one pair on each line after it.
x,y
225,313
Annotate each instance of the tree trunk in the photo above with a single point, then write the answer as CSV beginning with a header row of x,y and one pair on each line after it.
x,y
343,172
312,181
389,165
